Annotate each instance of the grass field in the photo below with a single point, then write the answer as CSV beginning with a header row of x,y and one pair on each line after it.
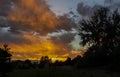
x,y
63,73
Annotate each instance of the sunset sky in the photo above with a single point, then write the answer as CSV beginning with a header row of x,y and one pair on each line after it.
x,y
35,28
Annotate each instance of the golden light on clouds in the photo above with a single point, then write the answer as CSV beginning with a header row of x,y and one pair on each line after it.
x,y
38,47
31,22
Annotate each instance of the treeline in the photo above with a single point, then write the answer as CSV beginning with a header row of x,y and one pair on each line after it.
x,y
8,65
45,62
76,63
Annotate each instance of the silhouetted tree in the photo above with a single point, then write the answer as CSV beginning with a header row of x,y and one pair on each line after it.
x,y
45,62
68,61
17,64
27,64
102,33
58,63
77,61
5,58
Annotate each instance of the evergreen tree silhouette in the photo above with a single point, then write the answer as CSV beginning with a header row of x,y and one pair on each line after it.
x,y
5,58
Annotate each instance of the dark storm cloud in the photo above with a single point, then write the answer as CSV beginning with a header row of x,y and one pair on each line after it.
x,y
6,33
5,6
8,37
3,21
113,4
83,9
66,22
86,10
108,1
63,37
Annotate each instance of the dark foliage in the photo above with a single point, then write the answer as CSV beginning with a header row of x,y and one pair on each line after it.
x,y
77,62
102,33
45,62
5,58
68,61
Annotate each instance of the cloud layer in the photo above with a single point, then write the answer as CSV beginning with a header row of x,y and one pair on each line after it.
x,y
32,15
32,30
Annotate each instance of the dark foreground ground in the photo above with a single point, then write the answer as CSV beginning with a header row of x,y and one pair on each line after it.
x,y
63,73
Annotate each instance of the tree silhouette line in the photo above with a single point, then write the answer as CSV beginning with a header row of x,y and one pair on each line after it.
x,y
101,33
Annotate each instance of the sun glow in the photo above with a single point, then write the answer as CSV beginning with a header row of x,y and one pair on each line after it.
x,y
58,59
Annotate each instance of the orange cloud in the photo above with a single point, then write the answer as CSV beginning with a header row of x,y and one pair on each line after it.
x,y
33,15
30,16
